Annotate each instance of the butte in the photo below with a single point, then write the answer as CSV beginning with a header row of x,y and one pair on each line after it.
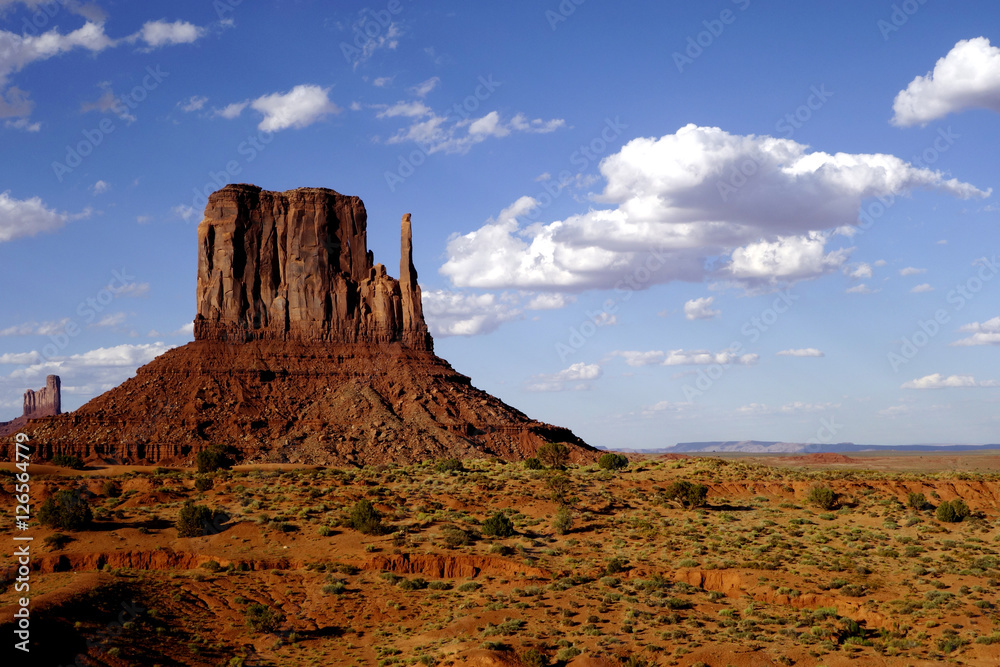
x,y
305,351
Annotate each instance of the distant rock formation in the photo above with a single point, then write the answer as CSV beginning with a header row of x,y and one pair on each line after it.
x,y
46,402
305,351
296,266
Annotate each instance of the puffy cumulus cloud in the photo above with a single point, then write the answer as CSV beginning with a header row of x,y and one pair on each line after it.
x,y
20,358
193,103
682,199
968,77
160,33
577,377
550,301
465,313
701,309
911,271
300,107
801,352
36,328
685,358
859,271
231,111
921,288
983,333
118,357
939,381
26,217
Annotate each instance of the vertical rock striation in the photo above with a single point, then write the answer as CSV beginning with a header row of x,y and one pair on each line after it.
x,y
46,402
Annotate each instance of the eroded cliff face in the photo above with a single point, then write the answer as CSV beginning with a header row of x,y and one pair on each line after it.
x,y
295,265
46,402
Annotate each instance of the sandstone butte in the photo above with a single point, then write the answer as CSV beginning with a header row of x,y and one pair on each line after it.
x,y
305,351
46,402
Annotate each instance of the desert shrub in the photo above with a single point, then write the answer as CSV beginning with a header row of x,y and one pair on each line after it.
x,y
615,565
364,518
822,497
203,483
335,587
532,464
554,454
212,566
111,489
612,461
498,525
449,465
952,511
197,520
261,618
563,521
214,458
560,486
66,510
453,537
67,461
416,584
57,540
534,658
687,494
917,501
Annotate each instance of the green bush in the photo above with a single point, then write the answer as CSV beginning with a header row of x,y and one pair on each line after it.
x,y
916,501
66,510
687,494
554,454
532,464
67,461
214,458
455,537
822,497
534,658
364,518
111,489
563,521
449,465
261,618
952,511
197,520
498,525
203,483
612,461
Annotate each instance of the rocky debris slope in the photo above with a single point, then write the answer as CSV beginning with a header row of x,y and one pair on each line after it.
x,y
306,351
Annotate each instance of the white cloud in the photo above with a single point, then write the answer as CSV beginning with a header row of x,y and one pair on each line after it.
x,y
22,124
133,289
26,217
35,328
231,111
550,301
983,333
921,288
684,358
383,81
161,33
911,271
673,207
879,263
861,289
385,38
411,109
448,134
185,212
795,407
577,377
423,88
939,381
801,352
467,314
700,309
111,320
100,187
860,271
300,107
193,103
20,358
968,77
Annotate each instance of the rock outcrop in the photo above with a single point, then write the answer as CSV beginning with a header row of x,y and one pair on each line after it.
x,y
296,266
305,351
46,402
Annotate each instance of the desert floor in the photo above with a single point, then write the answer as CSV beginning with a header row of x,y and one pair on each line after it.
x,y
758,576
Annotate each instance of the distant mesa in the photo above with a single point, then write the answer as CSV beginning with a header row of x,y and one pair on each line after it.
x,y
46,402
305,351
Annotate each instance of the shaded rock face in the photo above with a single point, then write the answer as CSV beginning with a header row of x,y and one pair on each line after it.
x,y
306,351
295,265
46,402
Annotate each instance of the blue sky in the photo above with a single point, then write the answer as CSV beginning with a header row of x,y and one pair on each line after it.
x,y
650,222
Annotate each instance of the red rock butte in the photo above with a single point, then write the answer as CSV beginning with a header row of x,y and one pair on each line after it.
x,y
305,351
